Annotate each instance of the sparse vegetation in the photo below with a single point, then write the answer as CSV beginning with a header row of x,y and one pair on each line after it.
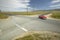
x,y
40,36
2,16
56,14
25,13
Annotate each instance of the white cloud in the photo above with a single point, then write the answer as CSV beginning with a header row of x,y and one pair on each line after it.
x,y
55,5
55,1
12,4
24,0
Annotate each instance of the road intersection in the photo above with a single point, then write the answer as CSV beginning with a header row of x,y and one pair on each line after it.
x,y
21,24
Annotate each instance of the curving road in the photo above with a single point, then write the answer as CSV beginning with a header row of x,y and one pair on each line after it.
x,y
17,25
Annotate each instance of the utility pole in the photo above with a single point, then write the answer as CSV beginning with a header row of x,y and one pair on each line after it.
x,y
0,10
27,10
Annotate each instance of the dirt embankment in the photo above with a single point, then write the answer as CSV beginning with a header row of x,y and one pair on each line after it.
x,y
49,17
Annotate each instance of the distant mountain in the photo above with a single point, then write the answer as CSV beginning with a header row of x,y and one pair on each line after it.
x,y
56,9
47,10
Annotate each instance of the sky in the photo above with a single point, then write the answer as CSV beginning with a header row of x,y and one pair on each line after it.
x,y
22,5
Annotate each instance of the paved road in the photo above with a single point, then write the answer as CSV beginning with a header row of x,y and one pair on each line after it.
x,y
17,24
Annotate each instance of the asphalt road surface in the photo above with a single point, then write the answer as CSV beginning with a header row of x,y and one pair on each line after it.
x,y
17,25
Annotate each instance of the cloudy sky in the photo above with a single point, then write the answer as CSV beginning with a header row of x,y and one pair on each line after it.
x,y
22,5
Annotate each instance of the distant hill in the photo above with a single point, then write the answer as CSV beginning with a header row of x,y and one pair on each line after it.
x,y
48,10
56,9
52,10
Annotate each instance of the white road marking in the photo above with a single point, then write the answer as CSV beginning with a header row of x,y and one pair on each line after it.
x,y
0,32
21,27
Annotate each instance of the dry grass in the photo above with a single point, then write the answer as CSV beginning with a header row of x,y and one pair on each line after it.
x,y
2,16
56,14
43,35
25,13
